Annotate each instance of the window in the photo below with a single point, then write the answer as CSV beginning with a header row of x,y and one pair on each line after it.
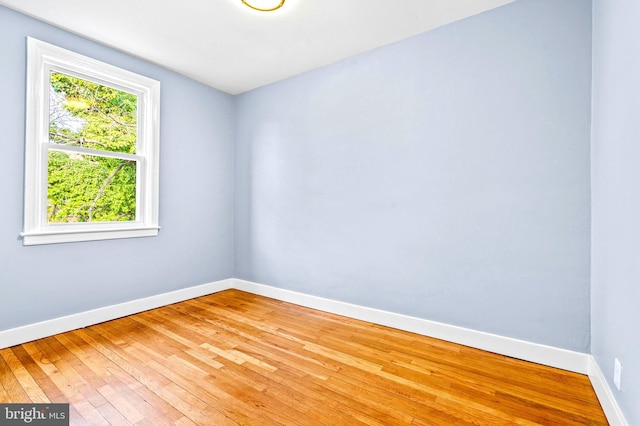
x,y
91,161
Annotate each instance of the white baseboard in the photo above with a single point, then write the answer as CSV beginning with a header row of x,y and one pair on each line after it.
x,y
541,354
605,395
27,333
534,352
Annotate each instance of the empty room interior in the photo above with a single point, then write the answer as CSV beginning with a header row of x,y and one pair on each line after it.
x,y
344,212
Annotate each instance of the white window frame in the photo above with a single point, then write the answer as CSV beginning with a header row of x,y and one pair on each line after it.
x,y
42,59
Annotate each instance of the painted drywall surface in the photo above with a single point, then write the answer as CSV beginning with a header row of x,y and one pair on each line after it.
x,y
615,318
445,176
196,210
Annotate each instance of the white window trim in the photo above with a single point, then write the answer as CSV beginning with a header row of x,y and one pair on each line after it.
x,y
42,58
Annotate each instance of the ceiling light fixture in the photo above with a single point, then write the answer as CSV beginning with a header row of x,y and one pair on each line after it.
x,y
265,9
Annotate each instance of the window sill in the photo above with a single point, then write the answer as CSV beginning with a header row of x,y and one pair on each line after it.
x,y
66,236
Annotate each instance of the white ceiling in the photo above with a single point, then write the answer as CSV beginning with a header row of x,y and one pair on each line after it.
x,y
224,44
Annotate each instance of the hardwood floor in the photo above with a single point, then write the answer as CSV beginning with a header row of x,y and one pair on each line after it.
x,y
236,358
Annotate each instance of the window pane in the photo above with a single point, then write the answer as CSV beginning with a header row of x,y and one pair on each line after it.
x,y
87,188
87,114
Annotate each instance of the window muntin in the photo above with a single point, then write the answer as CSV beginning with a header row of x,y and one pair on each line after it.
x,y
91,169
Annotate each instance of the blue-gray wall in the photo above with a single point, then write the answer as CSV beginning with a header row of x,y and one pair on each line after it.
x,y
196,196
615,314
445,176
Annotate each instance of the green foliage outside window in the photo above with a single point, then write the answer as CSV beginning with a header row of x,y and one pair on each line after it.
x,y
89,187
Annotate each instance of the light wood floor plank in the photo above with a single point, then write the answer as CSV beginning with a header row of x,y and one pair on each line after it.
x,y
10,384
234,358
28,384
